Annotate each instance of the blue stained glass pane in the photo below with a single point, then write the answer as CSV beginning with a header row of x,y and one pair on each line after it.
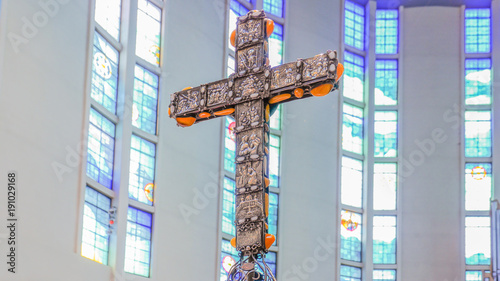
x,y
386,133
138,242
386,82
477,30
478,186
107,15
228,212
352,129
384,239
351,182
477,241
354,25
477,133
350,236
229,146
101,146
148,32
104,73
142,170
95,239
227,250
473,275
271,262
384,275
144,108
273,215
384,186
354,76
276,46
386,32
274,7
235,10
350,273
478,81
274,160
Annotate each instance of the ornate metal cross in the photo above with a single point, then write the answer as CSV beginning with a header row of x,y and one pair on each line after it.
x,y
250,95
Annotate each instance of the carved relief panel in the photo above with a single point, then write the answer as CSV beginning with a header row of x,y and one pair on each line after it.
x,y
250,58
250,31
250,87
284,75
218,93
249,145
249,115
189,100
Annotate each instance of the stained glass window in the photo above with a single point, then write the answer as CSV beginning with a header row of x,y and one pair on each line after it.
x,y
104,73
478,186
236,10
228,212
142,170
478,81
274,7
354,25
350,273
273,214
148,32
229,145
384,275
275,121
276,45
477,241
144,108
95,239
386,32
350,236
274,160
384,186
473,275
477,133
138,242
227,250
352,182
384,239
477,30
101,146
386,133
386,82
354,76
352,129
107,15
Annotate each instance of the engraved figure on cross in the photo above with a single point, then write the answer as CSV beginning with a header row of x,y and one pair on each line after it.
x,y
250,95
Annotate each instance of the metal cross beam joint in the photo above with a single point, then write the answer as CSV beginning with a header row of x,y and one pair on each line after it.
x,y
249,95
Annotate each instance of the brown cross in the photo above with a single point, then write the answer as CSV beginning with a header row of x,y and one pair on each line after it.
x,y
250,95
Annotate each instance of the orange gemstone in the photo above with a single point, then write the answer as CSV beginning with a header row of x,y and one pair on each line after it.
x,y
187,88
279,98
269,27
322,90
204,115
224,112
267,181
267,61
340,71
169,114
268,111
299,93
233,242
185,121
233,38
270,240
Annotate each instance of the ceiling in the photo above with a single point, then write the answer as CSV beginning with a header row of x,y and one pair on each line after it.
x,y
418,3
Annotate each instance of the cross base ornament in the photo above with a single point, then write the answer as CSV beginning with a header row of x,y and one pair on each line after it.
x,y
250,95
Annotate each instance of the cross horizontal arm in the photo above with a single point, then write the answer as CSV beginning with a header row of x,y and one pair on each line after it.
x,y
315,76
